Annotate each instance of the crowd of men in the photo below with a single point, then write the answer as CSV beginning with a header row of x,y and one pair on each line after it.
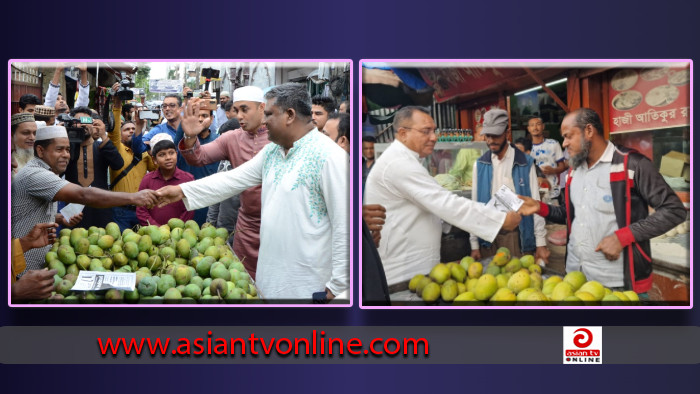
x,y
605,203
266,162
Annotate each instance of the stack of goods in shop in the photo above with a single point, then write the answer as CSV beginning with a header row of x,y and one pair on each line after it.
x,y
175,263
510,281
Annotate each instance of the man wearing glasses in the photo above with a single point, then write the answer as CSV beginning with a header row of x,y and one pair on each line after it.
x,y
171,113
416,204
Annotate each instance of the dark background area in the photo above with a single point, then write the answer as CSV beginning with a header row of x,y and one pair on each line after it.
x,y
349,30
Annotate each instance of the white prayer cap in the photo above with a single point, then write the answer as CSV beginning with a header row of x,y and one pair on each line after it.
x,y
225,93
40,124
161,137
248,93
50,132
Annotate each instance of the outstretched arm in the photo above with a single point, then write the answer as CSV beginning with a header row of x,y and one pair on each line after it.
x,y
98,198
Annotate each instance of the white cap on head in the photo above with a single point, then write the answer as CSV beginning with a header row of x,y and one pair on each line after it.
x,y
50,132
40,123
225,93
248,93
160,137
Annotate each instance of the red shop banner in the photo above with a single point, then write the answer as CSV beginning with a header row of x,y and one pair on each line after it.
x,y
451,82
649,98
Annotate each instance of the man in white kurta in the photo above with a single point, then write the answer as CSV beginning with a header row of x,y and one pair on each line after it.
x,y
416,204
304,218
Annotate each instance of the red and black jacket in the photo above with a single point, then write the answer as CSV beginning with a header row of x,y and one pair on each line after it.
x,y
636,185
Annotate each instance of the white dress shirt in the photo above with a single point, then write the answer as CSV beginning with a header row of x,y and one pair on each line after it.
x,y
415,203
304,242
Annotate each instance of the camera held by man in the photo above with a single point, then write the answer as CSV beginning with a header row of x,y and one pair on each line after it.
x,y
78,128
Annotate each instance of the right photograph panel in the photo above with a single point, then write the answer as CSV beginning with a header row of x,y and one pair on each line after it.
x,y
526,184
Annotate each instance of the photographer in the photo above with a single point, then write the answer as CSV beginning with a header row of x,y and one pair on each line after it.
x,y
125,137
89,160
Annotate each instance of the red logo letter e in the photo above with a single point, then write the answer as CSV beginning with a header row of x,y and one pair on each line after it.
x,y
580,339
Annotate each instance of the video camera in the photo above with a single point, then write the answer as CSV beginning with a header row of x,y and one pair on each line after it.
x,y
74,126
124,93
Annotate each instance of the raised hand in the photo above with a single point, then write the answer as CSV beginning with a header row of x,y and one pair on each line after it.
x,y
41,235
138,122
168,195
190,118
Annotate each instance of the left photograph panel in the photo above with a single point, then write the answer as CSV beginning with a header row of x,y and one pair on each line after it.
x,y
180,183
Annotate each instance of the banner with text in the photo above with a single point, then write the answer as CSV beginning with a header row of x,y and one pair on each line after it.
x,y
649,98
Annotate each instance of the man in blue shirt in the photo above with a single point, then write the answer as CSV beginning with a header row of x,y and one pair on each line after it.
x,y
171,111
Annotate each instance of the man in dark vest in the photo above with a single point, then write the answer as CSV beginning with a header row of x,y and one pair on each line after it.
x,y
504,164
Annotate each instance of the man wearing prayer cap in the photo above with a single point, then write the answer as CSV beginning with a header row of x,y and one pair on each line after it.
x,y
37,187
23,129
46,114
220,115
237,146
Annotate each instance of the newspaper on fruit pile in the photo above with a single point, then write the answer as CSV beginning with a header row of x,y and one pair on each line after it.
x,y
97,280
505,200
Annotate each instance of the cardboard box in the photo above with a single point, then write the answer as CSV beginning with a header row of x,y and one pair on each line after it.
x,y
675,164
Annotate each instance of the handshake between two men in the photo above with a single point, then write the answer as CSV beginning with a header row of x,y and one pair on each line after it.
x,y
157,198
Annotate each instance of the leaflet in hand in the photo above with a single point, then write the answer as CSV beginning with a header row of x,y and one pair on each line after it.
x,y
97,280
71,210
505,200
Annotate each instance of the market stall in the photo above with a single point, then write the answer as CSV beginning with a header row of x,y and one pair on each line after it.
x,y
175,263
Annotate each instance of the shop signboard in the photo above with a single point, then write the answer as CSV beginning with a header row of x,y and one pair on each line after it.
x,y
478,113
649,98
165,86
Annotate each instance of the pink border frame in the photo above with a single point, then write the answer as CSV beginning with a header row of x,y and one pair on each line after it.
x,y
9,182
515,61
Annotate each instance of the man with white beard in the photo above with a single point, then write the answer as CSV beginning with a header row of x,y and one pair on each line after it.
x,y
23,135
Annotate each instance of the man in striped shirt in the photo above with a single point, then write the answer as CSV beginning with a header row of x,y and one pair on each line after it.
x,y
37,187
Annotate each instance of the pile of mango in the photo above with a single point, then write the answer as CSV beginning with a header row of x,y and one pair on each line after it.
x,y
178,262
508,280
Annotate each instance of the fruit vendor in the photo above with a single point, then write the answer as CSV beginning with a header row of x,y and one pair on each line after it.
x,y
304,224
37,187
415,203
504,164
238,147
608,193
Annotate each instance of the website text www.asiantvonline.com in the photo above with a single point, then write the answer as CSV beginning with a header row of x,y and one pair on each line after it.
x,y
317,345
